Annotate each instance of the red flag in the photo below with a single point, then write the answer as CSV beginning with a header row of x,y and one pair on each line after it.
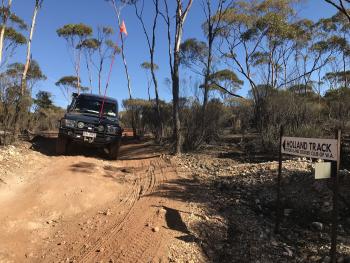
x,y
123,28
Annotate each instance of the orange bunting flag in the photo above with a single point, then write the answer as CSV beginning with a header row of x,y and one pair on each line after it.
x,y
123,28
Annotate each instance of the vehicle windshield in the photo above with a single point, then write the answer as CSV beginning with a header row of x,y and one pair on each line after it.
x,y
94,106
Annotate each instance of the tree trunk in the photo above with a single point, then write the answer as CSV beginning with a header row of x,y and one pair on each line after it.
x,y
117,11
208,71
155,82
89,70
133,121
209,61
160,131
148,87
174,66
176,81
345,73
126,65
100,76
176,107
29,46
3,29
180,18
77,70
151,47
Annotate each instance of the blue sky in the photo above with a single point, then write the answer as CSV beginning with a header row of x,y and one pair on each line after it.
x,y
51,52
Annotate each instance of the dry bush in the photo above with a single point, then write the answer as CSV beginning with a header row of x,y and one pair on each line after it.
x,y
143,115
21,112
338,107
242,114
46,119
198,129
300,115
14,114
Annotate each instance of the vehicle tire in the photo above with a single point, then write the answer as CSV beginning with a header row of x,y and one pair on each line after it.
x,y
61,145
114,150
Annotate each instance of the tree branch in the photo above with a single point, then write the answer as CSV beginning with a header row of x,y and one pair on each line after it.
x,y
340,7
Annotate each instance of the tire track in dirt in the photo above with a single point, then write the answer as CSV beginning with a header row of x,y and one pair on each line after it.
x,y
131,240
87,209
113,229
144,243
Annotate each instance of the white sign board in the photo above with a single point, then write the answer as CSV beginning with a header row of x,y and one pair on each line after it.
x,y
325,149
323,170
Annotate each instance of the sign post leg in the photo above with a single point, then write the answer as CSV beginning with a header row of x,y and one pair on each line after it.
x,y
335,178
278,204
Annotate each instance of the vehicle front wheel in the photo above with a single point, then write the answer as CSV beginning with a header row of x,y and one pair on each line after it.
x,y
61,145
114,150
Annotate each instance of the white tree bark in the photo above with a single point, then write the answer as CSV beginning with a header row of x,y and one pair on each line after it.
x,y
3,27
181,16
117,10
38,4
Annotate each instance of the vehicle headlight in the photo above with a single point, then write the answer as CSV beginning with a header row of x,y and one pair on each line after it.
x,y
81,125
100,128
68,123
112,129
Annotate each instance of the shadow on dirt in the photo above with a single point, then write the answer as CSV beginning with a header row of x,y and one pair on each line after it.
x,y
174,220
130,149
241,213
135,152
47,146
83,167
246,157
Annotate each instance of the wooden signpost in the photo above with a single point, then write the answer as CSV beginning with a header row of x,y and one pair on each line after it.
x,y
325,149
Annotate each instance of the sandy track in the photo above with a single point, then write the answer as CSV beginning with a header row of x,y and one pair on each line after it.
x,y
86,209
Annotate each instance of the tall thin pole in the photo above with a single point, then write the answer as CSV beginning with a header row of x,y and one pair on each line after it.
x,y
279,178
336,167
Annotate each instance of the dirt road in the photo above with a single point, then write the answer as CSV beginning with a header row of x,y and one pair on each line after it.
x,y
86,209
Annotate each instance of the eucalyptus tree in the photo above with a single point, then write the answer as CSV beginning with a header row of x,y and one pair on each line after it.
x,y
38,5
274,46
338,27
239,32
147,66
151,43
211,28
304,36
106,49
75,34
225,81
69,84
89,47
17,104
34,74
193,55
43,100
182,10
341,5
5,14
118,6
10,32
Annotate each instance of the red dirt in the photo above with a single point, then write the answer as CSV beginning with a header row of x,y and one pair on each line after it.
x,y
85,209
